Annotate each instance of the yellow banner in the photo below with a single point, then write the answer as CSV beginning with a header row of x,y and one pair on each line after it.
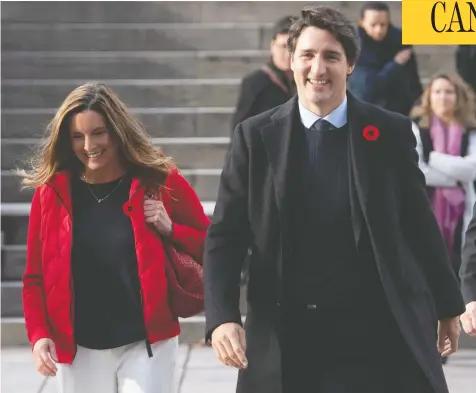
x,y
432,22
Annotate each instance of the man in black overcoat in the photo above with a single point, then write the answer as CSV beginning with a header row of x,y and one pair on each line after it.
x,y
350,288
468,277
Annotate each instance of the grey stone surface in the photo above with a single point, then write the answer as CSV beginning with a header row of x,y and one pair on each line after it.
x,y
169,12
206,187
13,262
128,37
11,300
14,229
201,374
157,125
155,65
130,65
185,155
147,96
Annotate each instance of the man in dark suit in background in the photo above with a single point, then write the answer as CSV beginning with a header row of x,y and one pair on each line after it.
x,y
272,84
466,64
386,73
350,286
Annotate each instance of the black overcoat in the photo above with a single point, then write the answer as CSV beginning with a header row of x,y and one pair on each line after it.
x,y
388,201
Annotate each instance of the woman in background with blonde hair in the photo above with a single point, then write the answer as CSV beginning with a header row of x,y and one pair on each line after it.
x,y
94,289
446,144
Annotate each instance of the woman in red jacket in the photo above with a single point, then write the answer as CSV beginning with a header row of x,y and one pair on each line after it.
x,y
94,288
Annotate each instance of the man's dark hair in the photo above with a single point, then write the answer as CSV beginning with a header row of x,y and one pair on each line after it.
x,y
373,6
332,20
282,25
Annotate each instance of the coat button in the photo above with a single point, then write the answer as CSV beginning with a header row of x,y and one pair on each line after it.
x,y
127,208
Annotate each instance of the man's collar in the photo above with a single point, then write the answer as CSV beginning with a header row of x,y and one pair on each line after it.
x,y
338,117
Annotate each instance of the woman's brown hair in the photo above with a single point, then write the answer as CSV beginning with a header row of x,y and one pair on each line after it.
x,y
140,157
465,110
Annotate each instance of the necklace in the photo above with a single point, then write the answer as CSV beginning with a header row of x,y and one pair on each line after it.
x,y
99,200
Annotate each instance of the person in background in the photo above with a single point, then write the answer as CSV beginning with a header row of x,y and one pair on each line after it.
x,y
468,278
466,64
386,73
273,83
445,125
95,292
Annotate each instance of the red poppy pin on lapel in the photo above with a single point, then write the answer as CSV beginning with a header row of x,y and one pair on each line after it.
x,y
371,133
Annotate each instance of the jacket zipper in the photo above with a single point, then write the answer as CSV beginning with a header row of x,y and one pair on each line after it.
x,y
71,283
146,339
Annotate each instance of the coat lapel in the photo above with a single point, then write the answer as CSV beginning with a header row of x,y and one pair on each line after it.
x,y
359,165
277,142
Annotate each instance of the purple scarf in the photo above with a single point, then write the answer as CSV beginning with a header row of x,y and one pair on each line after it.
x,y
448,202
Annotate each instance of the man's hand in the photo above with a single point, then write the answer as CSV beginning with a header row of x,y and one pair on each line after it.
x,y
229,343
403,56
448,335
468,319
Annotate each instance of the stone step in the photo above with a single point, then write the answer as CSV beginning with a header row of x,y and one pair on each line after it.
x,y
15,229
169,12
165,65
130,65
204,181
130,36
11,299
49,93
207,153
13,331
159,122
14,222
13,262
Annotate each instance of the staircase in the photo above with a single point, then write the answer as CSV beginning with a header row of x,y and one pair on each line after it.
x,y
178,65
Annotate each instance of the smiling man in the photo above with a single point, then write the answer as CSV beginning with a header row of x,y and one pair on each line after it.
x,y
350,287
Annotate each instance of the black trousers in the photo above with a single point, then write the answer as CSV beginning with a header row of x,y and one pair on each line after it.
x,y
347,349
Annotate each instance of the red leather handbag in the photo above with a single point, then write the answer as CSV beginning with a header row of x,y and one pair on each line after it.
x,y
185,282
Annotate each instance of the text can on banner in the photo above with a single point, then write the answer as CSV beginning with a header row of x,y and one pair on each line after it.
x,y
438,22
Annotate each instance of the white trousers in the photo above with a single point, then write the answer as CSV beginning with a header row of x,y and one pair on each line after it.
x,y
126,369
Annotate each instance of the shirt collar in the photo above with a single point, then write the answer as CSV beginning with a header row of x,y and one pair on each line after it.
x,y
338,117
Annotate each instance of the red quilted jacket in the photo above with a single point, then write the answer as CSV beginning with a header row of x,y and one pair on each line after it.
x,y
47,282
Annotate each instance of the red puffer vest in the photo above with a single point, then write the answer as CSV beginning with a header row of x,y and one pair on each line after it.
x,y
47,282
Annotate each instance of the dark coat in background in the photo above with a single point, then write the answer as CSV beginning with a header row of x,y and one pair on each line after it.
x,y
468,262
389,202
466,64
378,79
262,90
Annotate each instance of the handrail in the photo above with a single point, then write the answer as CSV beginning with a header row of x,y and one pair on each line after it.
x,y
23,209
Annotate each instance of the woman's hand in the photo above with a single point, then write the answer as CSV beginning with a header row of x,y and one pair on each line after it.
x,y
44,356
155,213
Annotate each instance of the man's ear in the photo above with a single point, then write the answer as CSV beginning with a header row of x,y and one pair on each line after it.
x,y
350,69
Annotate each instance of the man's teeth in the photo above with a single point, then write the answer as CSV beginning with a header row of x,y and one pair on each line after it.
x,y
317,82
93,155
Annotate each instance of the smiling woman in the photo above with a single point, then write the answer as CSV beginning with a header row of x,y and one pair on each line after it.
x,y
95,290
